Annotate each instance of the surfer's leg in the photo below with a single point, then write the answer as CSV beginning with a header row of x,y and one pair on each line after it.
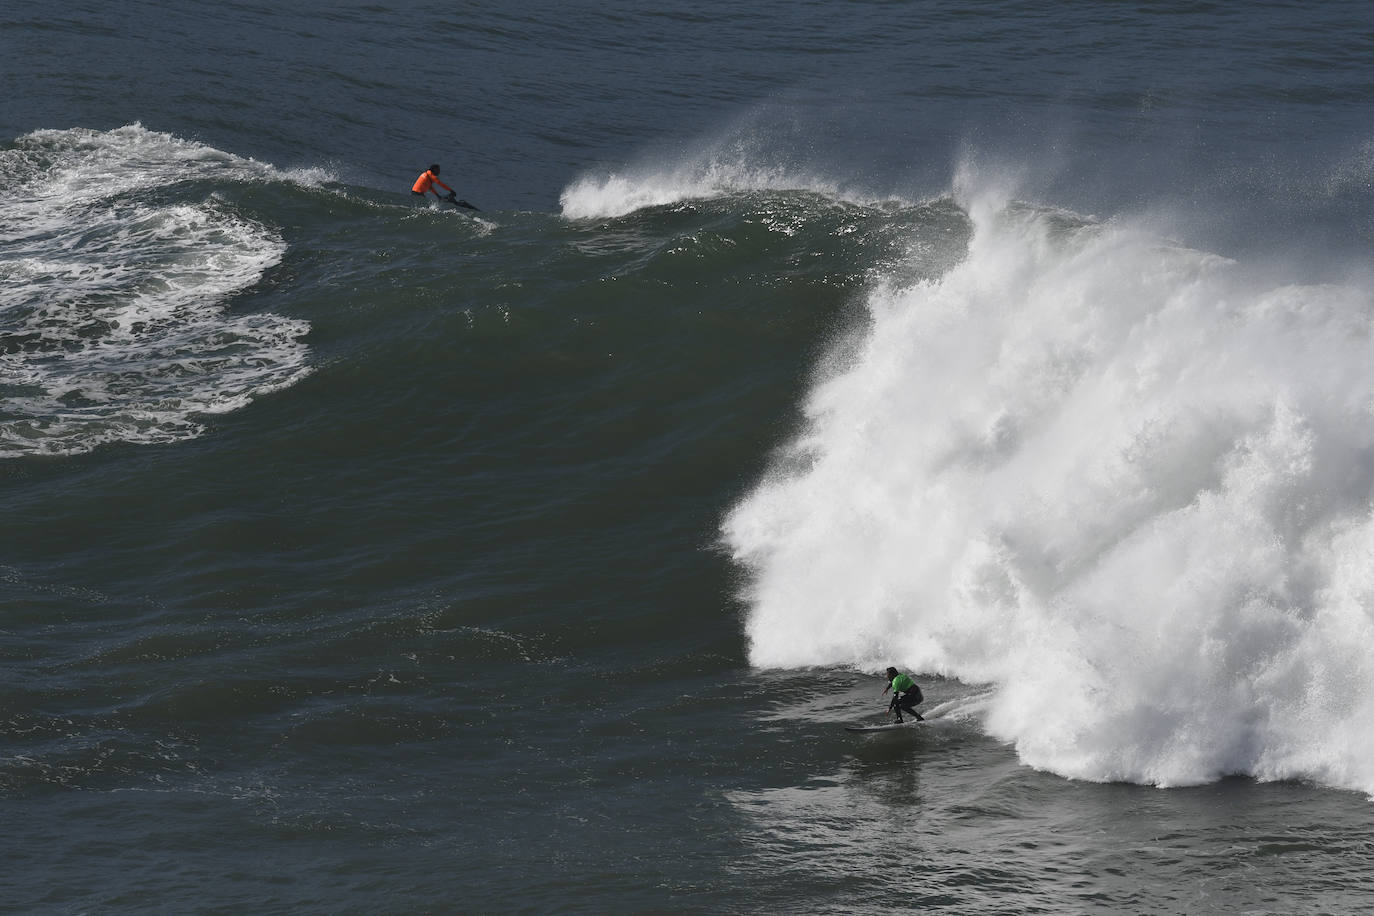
x,y
909,704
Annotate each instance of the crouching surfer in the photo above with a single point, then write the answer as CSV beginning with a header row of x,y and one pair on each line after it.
x,y
905,695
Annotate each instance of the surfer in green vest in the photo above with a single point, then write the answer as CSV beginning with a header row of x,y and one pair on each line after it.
x,y
905,695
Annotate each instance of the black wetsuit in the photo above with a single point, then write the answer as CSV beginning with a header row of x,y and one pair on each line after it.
x,y
905,697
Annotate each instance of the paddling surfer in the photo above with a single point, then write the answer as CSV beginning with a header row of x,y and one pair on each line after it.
x,y
426,182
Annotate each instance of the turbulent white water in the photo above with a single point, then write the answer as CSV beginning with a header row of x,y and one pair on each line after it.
x,y
729,165
112,318
1128,485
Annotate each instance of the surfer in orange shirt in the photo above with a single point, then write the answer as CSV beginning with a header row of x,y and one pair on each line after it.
x,y
426,182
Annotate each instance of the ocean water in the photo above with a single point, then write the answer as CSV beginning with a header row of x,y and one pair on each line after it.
x,y
359,554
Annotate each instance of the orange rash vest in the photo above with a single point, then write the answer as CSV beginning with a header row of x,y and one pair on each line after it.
x,y
427,181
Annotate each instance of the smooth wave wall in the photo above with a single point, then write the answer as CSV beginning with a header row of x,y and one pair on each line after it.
x,y
1125,483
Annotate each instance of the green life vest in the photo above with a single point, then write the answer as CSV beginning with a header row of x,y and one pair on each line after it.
x,y
902,683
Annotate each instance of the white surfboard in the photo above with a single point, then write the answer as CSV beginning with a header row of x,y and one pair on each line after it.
x,y
886,727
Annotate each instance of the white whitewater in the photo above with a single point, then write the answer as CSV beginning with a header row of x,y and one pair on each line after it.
x,y
113,324
1124,483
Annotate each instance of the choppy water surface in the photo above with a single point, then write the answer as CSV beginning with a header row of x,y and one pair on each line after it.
x,y
366,555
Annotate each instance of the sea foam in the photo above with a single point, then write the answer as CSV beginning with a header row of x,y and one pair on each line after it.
x,y
1124,483
112,318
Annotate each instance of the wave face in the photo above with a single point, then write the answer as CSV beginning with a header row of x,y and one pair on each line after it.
x,y
1125,484
116,279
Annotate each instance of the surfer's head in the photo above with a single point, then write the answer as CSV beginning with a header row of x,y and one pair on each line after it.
x,y
891,673
434,168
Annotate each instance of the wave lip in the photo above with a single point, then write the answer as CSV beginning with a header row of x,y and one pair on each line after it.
x,y
1124,483
112,313
727,168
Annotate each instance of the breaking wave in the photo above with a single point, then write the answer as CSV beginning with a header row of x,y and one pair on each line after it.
x,y
1127,484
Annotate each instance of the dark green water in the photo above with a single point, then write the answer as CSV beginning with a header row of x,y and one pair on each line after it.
x,y
361,555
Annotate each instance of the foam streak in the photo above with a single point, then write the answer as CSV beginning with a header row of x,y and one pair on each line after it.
x,y
111,319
